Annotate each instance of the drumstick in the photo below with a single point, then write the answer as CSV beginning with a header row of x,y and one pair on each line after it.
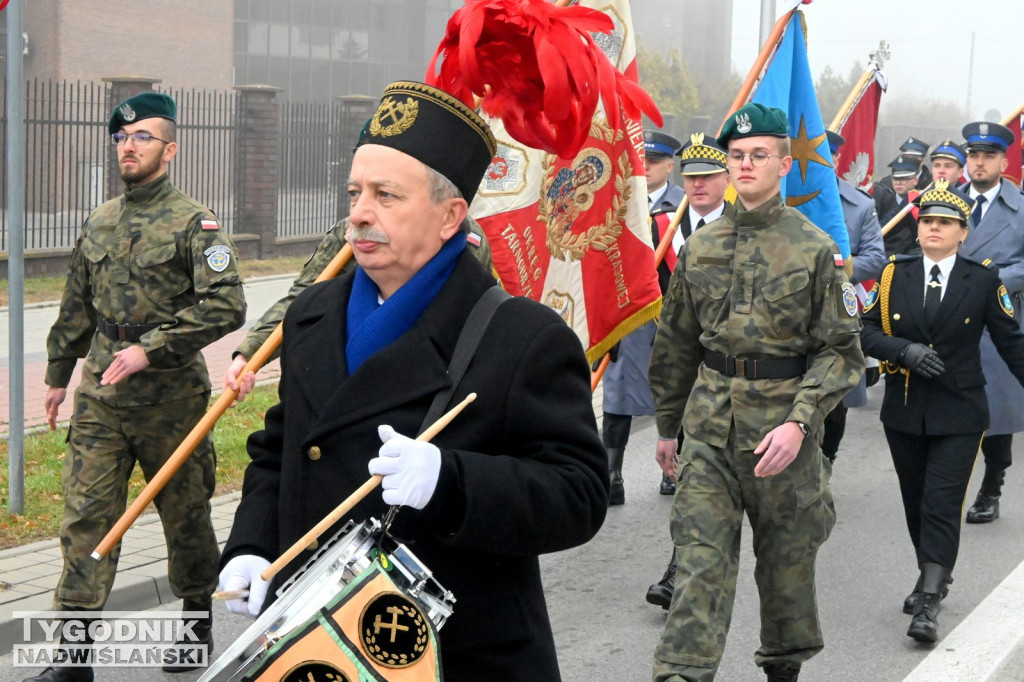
x,y
228,595
355,498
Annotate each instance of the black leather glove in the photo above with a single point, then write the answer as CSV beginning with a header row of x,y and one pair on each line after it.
x,y
920,358
871,375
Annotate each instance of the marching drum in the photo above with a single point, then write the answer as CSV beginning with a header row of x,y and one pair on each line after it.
x,y
363,607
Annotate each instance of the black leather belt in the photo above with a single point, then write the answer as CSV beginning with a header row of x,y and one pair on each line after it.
x,y
755,368
123,332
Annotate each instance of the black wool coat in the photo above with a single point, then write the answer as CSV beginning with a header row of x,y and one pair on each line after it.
x,y
523,470
953,402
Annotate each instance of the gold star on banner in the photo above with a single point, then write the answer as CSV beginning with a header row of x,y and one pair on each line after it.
x,y
806,150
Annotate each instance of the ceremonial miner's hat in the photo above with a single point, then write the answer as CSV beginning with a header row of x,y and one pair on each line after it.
x,y
914,147
658,145
701,156
948,149
753,120
946,201
433,127
142,106
903,167
835,141
987,137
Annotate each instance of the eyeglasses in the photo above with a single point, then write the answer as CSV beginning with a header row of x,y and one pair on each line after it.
x,y
138,139
759,159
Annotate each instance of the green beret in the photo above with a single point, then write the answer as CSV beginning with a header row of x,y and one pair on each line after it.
x,y
141,106
430,125
753,120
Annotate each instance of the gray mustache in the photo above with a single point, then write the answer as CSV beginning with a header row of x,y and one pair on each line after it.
x,y
370,234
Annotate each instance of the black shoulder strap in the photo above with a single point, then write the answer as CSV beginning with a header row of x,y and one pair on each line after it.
x,y
465,348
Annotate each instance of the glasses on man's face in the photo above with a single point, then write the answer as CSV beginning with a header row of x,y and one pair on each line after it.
x,y
138,139
759,159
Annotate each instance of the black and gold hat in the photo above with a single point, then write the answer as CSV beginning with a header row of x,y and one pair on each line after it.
x,y
753,120
950,150
943,200
433,127
701,156
142,106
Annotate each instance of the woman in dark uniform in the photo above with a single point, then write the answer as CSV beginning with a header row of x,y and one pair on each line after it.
x,y
924,320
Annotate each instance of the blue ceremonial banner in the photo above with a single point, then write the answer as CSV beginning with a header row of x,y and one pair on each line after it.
x,y
811,185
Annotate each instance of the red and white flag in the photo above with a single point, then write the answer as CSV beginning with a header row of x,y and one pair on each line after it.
x,y
857,155
574,232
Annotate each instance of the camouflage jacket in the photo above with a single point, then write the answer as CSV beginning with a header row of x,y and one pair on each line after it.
x,y
757,284
324,254
150,256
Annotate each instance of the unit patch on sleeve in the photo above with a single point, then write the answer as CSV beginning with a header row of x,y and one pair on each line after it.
x,y
850,299
1004,300
218,257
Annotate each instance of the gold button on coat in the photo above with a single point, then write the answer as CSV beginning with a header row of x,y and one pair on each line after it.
x,y
314,453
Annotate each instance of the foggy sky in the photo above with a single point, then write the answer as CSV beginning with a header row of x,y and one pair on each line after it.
x,y
930,42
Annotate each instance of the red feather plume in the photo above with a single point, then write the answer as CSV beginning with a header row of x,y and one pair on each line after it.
x,y
536,67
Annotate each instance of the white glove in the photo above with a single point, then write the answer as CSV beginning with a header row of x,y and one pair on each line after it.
x,y
240,573
410,468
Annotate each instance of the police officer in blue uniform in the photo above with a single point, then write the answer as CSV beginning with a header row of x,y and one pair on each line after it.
x,y
996,237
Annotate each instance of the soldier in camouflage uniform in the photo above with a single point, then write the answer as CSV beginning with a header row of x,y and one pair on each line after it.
x,y
331,244
152,280
758,341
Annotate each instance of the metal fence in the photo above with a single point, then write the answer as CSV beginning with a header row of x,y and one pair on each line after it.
x,y
70,165
311,169
204,167
65,154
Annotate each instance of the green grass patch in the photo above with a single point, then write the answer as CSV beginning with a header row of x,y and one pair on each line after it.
x,y
44,459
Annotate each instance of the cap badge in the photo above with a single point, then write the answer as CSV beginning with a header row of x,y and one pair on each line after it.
x,y
899,159
394,118
697,138
983,129
743,124
127,113
910,140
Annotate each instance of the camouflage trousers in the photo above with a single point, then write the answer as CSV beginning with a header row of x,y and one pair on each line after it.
x,y
791,515
104,443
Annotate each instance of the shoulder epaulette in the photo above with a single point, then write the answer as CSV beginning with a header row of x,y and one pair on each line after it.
x,y
662,210
988,264
903,257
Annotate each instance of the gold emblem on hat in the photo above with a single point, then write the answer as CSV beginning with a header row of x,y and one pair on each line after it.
x,y
394,117
127,113
697,138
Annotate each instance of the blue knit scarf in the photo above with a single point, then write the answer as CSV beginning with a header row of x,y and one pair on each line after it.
x,y
373,326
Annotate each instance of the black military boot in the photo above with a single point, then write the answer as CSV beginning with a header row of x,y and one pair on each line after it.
x,y
660,593
184,655
925,625
668,485
911,601
782,672
77,651
617,495
986,506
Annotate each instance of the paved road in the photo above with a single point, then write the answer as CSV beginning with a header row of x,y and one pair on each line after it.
x,y
605,631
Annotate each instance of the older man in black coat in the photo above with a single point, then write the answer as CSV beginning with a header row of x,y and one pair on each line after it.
x,y
520,472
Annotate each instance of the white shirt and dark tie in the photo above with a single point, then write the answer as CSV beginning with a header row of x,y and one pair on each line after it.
x,y
982,202
936,277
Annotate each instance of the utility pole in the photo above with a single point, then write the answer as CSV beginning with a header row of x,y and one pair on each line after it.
x,y
16,254
767,21
970,75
